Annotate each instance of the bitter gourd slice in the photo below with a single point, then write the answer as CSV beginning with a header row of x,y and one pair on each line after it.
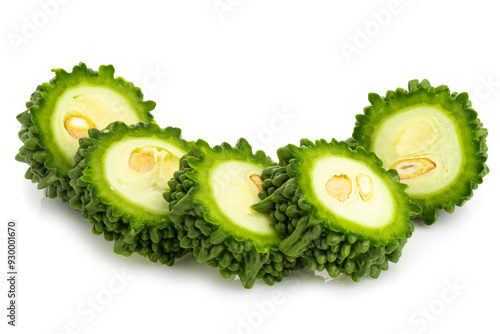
x,y
119,176
61,111
337,208
210,198
432,138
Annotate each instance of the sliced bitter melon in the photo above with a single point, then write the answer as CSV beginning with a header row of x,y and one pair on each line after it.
x,y
61,111
119,176
336,207
432,138
210,201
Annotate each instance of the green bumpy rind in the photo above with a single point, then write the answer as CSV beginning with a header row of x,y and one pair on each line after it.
x,y
195,215
47,167
310,230
132,228
471,131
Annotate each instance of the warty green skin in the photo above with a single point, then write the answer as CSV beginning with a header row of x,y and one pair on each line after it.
x,y
132,229
471,131
233,254
314,235
46,168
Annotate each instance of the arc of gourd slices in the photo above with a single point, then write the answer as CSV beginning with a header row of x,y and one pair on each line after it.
x,y
119,176
337,208
433,138
61,111
210,198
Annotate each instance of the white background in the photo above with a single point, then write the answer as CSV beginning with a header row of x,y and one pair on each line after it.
x,y
220,75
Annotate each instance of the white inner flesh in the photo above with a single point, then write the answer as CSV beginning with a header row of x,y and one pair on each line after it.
x,y
376,212
100,104
234,193
142,189
421,132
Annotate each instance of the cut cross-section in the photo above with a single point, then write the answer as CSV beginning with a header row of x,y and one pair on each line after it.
x,y
337,208
119,177
432,138
210,202
62,111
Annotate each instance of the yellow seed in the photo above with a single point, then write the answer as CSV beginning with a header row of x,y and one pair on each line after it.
x,y
78,126
141,162
257,180
339,187
365,186
413,167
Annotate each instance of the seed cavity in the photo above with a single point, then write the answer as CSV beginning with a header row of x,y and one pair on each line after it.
x,y
418,137
365,186
339,187
257,180
141,162
94,107
78,126
83,110
413,167
169,163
